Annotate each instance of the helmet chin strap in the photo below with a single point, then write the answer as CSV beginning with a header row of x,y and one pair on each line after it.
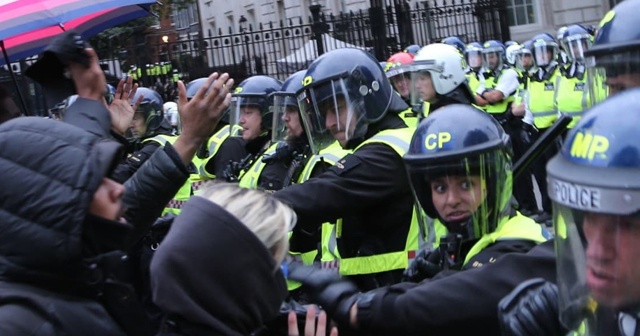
x,y
461,227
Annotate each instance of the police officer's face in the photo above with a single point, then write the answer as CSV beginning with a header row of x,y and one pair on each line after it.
x,y
456,198
339,120
251,121
292,122
613,254
107,201
492,60
425,87
138,125
402,84
526,60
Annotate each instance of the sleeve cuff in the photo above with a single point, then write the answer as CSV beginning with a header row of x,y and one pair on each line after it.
x,y
175,157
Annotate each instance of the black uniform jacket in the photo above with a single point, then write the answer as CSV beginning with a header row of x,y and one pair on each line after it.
x,y
454,303
369,190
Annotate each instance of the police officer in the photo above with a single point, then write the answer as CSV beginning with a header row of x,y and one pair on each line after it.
x,y
397,70
455,42
461,174
571,94
438,78
148,122
541,104
596,231
473,57
350,100
251,112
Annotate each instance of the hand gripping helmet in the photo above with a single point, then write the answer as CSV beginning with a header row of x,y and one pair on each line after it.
x,y
493,54
397,70
455,42
257,92
594,184
152,111
545,50
471,159
613,61
285,108
344,91
438,70
412,49
575,41
473,55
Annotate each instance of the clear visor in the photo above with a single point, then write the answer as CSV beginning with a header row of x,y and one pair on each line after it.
x,y
331,113
466,194
524,60
286,118
611,74
576,46
422,86
245,116
400,78
492,59
597,263
544,54
474,58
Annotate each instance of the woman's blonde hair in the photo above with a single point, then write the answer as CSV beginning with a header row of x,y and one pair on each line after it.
x,y
269,219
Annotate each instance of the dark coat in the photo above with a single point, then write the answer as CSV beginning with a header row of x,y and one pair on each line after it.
x,y
49,172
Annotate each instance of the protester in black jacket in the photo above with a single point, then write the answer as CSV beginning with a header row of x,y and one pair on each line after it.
x,y
217,272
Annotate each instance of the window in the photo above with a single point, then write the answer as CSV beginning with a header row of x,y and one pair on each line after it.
x,y
521,12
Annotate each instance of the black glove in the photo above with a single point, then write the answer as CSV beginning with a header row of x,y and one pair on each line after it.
x,y
426,265
334,294
531,309
528,135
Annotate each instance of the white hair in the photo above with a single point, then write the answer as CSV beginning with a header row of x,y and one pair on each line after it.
x,y
268,218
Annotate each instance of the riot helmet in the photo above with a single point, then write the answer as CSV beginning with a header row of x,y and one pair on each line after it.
x,y
148,119
493,53
345,91
473,55
438,70
545,50
252,106
575,41
412,49
287,124
397,70
455,42
194,86
461,172
524,57
613,61
594,184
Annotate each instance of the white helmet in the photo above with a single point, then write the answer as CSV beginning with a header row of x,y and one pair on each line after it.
x,y
511,53
444,63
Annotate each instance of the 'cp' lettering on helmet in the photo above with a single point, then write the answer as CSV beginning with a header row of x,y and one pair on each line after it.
x,y
433,141
587,145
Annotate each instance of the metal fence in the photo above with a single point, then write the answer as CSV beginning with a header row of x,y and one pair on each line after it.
x,y
279,49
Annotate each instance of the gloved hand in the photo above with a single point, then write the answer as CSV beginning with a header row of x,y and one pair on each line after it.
x,y
426,265
528,134
335,294
531,309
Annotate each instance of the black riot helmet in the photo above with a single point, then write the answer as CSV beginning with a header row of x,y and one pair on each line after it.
x,y
193,87
285,105
255,91
472,157
152,111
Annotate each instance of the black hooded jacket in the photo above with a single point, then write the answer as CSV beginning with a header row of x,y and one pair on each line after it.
x,y
49,172
212,276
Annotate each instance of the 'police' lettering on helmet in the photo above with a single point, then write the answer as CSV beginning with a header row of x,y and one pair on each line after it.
x,y
576,196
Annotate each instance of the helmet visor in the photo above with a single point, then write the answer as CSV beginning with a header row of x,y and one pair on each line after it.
x,y
245,116
474,58
544,53
597,261
524,60
576,46
422,86
400,78
286,118
492,58
612,73
468,194
330,112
